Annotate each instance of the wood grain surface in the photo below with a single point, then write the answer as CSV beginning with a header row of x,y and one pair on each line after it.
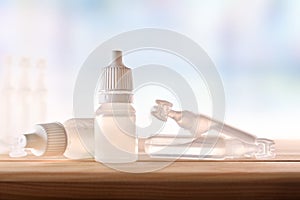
x,y
85,179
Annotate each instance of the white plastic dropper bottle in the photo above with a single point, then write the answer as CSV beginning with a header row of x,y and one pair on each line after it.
x,y
115,130
74,139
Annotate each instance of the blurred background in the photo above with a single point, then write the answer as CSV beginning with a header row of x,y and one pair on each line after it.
x,y
254,44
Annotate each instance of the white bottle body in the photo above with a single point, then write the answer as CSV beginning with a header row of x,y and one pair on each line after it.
x,y
80,138
115,133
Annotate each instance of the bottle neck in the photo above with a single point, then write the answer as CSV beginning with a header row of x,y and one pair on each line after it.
x,y
117,58
116,97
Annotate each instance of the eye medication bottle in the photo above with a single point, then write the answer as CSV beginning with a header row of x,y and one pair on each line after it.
x,y
115,129
74,139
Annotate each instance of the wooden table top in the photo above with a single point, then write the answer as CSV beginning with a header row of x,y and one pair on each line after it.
x,y
85,179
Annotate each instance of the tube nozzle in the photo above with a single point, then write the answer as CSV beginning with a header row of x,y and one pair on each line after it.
x,y
117,57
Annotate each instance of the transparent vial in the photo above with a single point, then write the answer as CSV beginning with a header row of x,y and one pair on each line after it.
x,y
215,148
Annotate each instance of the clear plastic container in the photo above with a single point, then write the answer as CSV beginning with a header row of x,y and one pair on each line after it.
x,y
198,124
206,148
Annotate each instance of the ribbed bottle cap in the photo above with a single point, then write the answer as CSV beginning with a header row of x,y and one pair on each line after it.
x,y
116,81
55,136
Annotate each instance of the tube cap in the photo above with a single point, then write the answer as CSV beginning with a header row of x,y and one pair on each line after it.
x,y
116,81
